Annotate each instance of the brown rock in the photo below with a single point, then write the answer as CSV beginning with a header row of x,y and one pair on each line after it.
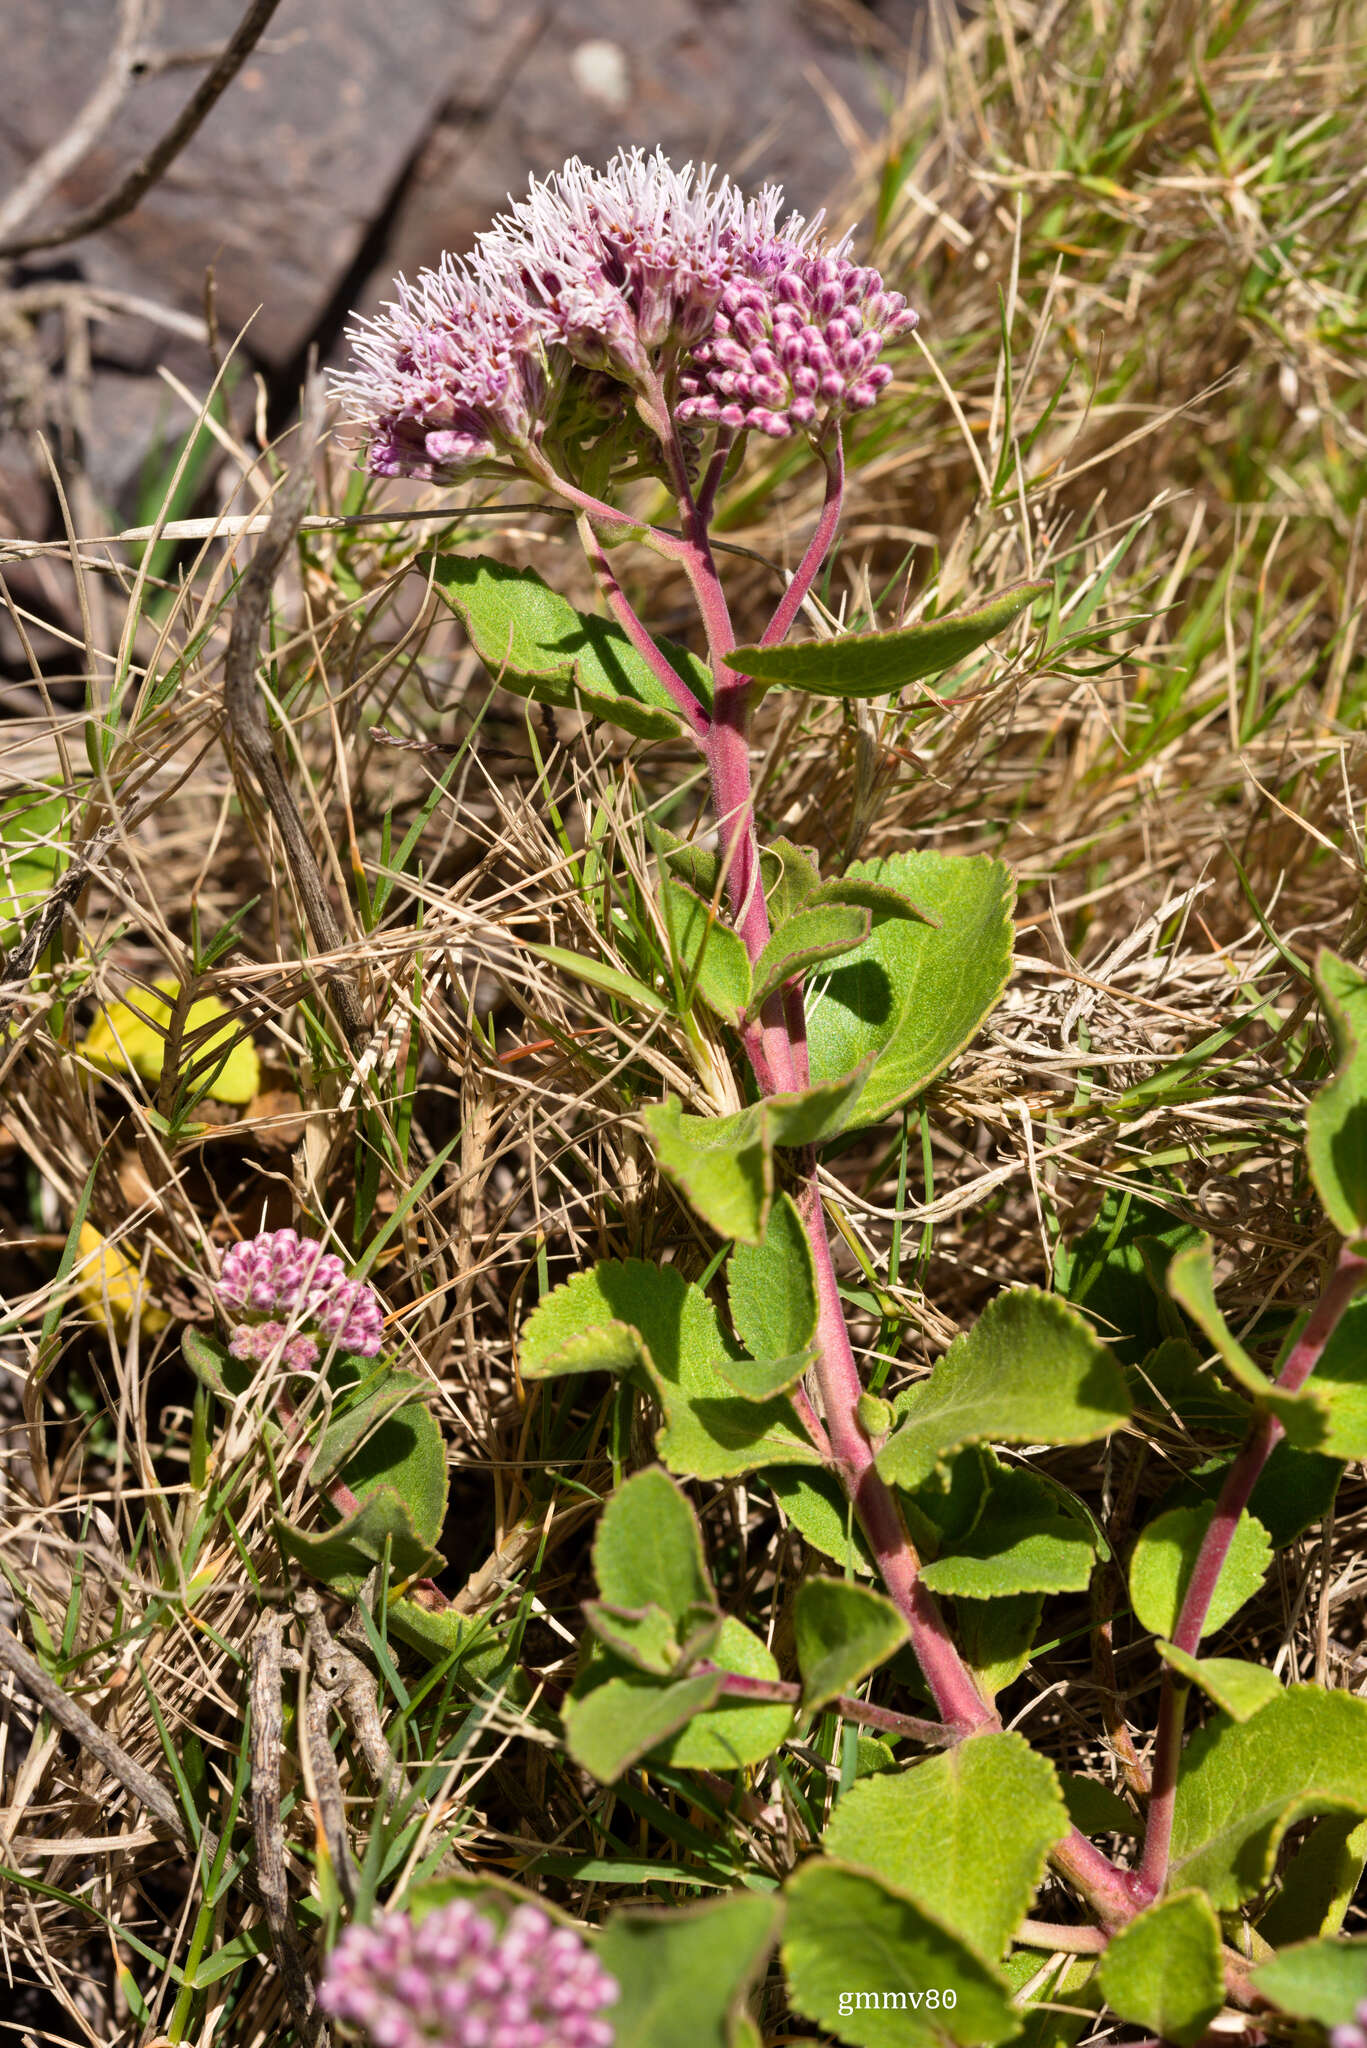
x,y
748,84
278,188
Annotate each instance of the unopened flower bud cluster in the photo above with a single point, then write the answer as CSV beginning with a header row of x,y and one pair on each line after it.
x,y
800,338
287,1296
453,1980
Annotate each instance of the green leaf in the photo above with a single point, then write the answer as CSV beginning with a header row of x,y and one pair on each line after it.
x,y
1171,1381
1165,1555
1029,1371
1241,1785
1063,1995
997,1636
349,1427
870,664
700,866
874,1969
734,1732
809,936
1191,1282
771,1287
213,1365
1295,1490
914,995
34,834
1025,1541
721,1164
1318,1883
708,952
620,1716
1115,1271
1094,1809
1239,1689
923,1832
760,1379
1338,1428
599,974
407,1452
399,1477
344,1556
725,1164
875,897
683,1977
818,1507
1163,1970
1336,1121
648,1549
843,1632
796,876
626,1315
480,1654
1324,1981
535,644
647,1638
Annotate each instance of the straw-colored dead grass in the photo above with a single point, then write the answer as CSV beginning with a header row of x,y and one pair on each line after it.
x,y
1136,234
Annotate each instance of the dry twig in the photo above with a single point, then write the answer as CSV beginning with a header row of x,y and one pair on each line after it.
x,y
96,116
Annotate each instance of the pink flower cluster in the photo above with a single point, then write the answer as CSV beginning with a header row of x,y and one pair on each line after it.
x,y
294,1298
1354,2035
798,337
452,375
621,272
455,1981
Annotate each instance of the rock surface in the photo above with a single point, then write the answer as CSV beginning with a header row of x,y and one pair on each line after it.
x,y
362,139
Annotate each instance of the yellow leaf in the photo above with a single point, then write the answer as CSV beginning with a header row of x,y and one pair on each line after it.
x,y
111,1286
121,1038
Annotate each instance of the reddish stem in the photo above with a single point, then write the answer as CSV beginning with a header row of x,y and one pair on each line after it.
x,y
934,1734
951,1683
1349,1276
1060,1940
776,1063
654,657
832,453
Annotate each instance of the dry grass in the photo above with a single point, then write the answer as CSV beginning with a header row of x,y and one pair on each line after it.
x,y
1137,237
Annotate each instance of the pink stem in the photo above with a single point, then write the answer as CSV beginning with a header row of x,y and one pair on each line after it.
x,y
728,754
1060,1940
935,1734
690,710
951,1683
778,1054
601,513
832,453
716,469
1243,1475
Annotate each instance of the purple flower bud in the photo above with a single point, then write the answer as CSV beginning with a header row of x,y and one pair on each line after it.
x,y
808,317
452,1981
304,1296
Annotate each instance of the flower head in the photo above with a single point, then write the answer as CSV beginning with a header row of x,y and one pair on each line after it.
x,y
1354,2034
455,1981
625,261
452,374
286,1294
630,274
796,338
